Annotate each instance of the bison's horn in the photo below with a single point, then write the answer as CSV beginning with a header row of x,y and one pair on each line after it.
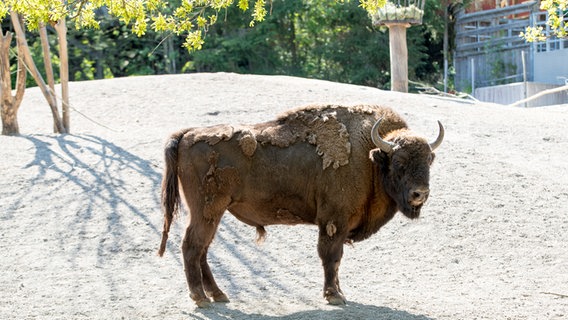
x,y
385,146
438,142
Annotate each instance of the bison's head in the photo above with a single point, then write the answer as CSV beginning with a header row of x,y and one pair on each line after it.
x,y
404,161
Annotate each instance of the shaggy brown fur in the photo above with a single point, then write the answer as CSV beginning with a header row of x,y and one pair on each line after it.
x,y
318,125
316,164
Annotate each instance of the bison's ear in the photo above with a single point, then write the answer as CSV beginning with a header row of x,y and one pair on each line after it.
x,y
378,157
432,157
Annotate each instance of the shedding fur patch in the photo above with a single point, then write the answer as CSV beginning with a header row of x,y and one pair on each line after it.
x,y
247,141
212,135
319,126
281,134
217,185
331,140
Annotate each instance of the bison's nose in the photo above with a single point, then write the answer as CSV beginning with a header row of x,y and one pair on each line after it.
x,y
418,196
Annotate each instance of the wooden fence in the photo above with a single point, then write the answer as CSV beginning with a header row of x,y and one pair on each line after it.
x,y
489,49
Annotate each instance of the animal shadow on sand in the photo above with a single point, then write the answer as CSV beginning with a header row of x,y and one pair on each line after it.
x,y
352,310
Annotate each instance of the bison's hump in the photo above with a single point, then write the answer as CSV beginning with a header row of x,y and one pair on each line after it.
x,y
328,127
321,126
212,135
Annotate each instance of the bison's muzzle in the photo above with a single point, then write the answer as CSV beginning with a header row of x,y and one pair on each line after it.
x,y
416,199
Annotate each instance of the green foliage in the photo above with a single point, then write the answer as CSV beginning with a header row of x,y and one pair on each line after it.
x,y
112,51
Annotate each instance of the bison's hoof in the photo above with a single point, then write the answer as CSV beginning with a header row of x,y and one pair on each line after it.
x,y
336,299
203,303
220,297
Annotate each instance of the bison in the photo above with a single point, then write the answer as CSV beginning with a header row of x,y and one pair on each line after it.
x,y
346,169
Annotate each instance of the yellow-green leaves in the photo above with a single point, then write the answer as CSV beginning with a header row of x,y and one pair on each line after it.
x,y
191,17
160,23
556,9
36,12
243,5
3,9
533,34
259,12
155,5
372,6
85,17
194,41
201,22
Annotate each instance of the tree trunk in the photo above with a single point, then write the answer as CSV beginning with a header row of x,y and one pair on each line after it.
x,y
446,46
26,55
398,56
292,45
47,57
10,104
47,63
8,112
99,67
61,29
172,55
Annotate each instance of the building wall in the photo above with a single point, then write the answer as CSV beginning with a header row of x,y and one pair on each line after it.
x,y
489,50
551,66
513,92
481,5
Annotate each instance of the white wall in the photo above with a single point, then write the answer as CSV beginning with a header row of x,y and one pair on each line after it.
x,y
513,92
550,65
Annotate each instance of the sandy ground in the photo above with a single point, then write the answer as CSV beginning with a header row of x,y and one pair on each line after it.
x,y
80,221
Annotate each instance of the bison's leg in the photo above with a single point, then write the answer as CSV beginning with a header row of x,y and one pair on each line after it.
x,y
330,249
198,236
209,283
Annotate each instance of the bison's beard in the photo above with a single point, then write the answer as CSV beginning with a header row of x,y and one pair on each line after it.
x,y
410,211
406,207
399,193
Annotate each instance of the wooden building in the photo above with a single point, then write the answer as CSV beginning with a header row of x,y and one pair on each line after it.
x,y
490,52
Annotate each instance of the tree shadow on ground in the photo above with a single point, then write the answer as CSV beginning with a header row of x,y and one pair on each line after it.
x,y
102,196
352,310
107,181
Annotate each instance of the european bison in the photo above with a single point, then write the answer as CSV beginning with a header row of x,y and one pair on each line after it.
x,y
347,170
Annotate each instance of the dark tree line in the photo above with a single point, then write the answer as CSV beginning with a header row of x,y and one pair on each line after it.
x,y
329,39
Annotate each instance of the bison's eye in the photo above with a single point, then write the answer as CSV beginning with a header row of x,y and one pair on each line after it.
x,y
397,165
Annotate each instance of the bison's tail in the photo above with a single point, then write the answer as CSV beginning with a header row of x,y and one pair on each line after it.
x,y
170,187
